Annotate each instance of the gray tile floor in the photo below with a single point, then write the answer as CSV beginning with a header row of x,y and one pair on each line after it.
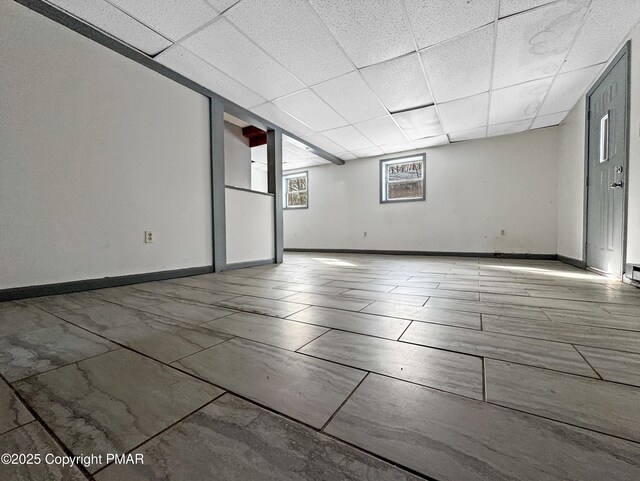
x,y
331,367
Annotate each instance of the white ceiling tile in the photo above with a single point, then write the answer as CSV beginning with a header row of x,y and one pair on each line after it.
x,y
368,152
518,102
381,131
510,7
399,83
115,22
324,143
568,88
172,18
179,59
346,156
435,21
472,134
534,44
465,114
281,119
397,147
549,120
349,138
431,142
294,35
508,128
307,107
351,97
224,46
606,26
460,67
419,123
369,31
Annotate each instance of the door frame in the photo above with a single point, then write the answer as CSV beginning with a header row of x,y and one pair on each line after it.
x,y
624,51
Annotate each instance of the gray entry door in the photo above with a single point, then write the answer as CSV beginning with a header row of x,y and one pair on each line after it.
x,y
607,164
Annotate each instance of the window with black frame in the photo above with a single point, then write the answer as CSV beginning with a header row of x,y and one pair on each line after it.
x,y
402,179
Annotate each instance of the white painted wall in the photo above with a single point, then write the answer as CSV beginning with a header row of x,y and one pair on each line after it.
x,y
474,189
259,178
571,184
94,149
571,172
250,226
237,157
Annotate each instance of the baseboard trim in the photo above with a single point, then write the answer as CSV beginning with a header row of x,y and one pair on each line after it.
x,y
572,262
245,264
17,293
499,255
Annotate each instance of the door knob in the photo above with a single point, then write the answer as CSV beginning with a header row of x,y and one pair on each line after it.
x,y
617,185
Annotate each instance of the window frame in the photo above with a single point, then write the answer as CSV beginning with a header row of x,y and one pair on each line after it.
x,y
285,190
383,183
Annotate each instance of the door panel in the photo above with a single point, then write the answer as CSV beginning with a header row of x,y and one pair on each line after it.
x,y
607,166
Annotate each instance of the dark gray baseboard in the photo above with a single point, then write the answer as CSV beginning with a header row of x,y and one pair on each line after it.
x,y
573,262
242,265
500,255
16,293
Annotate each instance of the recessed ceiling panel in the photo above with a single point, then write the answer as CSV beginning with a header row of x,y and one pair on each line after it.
x,y
351,97
346,156
460,67
465,114
533,44
399,83
311,110
369,31
349,138
224,46
294,35
435,21
368,152
549,120
179,59
172,18
510,7
431,142
281,119
508,128
472,134
568,88
115,22
518,102
324,143
606,26
397,147
419,123
381,131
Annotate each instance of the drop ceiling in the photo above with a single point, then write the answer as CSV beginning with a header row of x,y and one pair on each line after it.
x,y
366,77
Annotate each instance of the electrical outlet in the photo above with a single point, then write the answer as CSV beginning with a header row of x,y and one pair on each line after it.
x,y
148,237
502,233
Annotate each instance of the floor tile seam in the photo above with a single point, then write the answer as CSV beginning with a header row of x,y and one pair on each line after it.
x,y
175,423
38,419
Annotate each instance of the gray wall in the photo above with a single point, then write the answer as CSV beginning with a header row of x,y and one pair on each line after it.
x,y
571,236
